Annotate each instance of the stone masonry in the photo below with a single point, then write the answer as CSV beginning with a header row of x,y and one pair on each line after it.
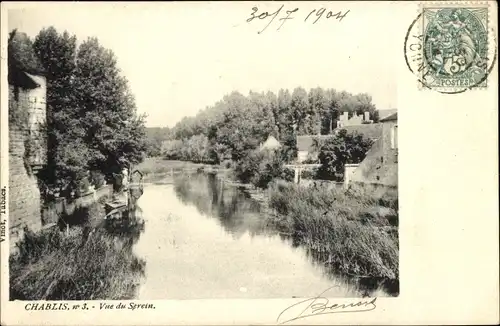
x,y
24,194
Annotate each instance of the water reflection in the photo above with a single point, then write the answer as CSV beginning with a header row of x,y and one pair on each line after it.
x,y
234,209
239,214
131,225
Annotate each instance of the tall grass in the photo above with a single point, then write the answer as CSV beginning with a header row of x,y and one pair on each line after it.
x,y
53,265
348,230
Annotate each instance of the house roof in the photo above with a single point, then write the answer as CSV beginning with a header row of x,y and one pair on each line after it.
x,y
382,114
39,80
392,117
270,143
25,80
375,170
305,143
372,130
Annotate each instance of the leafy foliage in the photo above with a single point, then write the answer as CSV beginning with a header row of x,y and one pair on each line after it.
x,y
92,121
261,167
336,152
237,124
21,55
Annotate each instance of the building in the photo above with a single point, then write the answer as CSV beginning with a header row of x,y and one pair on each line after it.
x,y
270,144
371,131
355,120
382,114
308,147
27,150
380,166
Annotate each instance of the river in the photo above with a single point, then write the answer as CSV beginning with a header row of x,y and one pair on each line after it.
x,y
204,239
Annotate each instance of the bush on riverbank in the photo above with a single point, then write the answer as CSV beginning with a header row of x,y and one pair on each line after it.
x,y
346,229
52,265
261,167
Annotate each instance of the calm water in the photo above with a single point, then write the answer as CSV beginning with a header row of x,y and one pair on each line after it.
x,y
204,239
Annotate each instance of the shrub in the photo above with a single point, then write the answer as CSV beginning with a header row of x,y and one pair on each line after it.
x,y
248,167
270,168
227,164
97,179
261,167
83,186
335,153
309,174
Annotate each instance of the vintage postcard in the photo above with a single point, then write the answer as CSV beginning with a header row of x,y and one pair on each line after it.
x,y
249,163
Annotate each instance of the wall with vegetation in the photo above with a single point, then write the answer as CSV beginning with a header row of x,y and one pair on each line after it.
x,y
24,195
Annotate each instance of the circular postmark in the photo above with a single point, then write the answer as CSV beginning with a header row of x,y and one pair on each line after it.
x,y
450,49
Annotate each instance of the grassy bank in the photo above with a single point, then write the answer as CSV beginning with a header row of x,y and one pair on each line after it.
x,y
55,265
353,232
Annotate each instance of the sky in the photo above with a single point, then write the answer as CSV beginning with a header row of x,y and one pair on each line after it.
x,y
182,57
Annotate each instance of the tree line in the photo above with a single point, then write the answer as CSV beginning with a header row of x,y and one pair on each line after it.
x,y
238,124
92,121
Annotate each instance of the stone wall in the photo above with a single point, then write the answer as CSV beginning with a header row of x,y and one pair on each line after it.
x,y
24,194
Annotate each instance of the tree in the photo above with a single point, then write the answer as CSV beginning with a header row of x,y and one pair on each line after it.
x,y
107,107
91,111
263,123
236,130
197,148
154,147
282,112
21,55
321,110
57,53
336,152
300,109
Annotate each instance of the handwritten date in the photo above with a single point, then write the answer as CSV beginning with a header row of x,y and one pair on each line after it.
x,y
313,16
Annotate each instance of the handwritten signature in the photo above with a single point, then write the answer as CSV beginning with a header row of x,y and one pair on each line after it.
x,y
319,305
319,13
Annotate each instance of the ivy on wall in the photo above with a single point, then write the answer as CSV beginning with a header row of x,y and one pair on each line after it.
x,y
18,114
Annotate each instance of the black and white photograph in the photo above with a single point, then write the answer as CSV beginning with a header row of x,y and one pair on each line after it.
x,y
243,192
182,152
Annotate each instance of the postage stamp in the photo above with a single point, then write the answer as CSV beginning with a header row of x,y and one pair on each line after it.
x,y
449,47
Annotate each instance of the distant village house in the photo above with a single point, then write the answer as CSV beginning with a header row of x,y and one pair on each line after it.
x,y
380,166
355,120
270,144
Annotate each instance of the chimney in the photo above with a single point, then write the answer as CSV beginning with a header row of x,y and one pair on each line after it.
x,y
345,116
367,116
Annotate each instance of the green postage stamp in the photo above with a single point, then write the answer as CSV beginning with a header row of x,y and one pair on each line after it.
x,y
449,46
456,46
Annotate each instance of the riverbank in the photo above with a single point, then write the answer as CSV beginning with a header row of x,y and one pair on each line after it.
x,y
348,230
352,232
160,171
76,265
